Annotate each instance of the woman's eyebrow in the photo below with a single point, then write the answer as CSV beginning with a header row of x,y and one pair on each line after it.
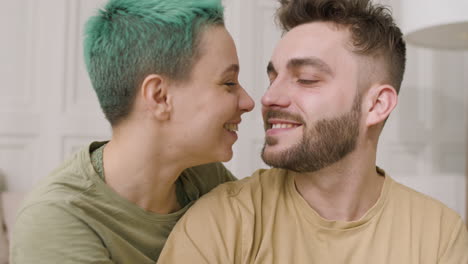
x,y
232,68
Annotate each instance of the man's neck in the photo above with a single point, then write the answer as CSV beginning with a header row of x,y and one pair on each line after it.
x,y
344,191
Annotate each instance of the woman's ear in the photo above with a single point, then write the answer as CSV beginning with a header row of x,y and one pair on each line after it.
x,y
154,90
381,101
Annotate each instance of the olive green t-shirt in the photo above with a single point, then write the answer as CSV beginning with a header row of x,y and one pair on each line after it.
x,y
72,216
263,219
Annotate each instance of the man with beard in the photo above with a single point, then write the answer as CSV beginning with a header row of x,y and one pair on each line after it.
x,y
334,80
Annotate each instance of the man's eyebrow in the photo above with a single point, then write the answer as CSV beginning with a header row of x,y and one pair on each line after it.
x,y
232,68
310,61
270,68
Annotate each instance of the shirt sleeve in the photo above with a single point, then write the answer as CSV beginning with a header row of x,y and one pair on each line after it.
x,y
457,249
208,233
45,233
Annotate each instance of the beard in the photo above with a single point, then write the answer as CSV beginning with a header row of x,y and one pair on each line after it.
x,y
323,144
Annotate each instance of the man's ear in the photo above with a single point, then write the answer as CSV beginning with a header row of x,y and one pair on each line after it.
x,y
380,102
154,90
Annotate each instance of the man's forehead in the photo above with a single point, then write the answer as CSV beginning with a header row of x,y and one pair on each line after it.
x,y
318,39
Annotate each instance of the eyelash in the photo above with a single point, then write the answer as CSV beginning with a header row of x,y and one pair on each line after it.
x,y
231,86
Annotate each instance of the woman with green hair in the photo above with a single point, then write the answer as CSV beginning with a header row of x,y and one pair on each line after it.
x,y
166,76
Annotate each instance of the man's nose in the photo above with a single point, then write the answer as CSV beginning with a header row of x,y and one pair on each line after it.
x,y
277,95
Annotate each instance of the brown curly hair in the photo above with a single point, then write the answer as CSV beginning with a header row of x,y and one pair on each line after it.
x,y
373,30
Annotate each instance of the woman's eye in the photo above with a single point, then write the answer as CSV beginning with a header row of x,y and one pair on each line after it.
x,y
230,86
303,81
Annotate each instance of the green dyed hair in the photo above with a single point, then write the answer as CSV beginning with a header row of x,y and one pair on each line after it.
x,y
130,39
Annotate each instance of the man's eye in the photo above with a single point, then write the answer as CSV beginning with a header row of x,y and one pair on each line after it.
x,y
230,84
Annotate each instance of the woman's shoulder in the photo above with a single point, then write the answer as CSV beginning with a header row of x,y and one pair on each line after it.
x,y
206,177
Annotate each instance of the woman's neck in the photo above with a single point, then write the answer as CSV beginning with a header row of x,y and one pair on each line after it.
x,y
143,174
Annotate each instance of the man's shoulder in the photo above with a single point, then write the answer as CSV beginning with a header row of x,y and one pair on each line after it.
x,y
421,204
229,210
245,193
222,222
261,181
439,226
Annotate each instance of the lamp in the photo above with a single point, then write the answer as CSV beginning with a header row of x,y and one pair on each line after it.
x,y
444,25
439,25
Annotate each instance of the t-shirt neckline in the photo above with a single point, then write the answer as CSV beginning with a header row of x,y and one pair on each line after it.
x,y
312,216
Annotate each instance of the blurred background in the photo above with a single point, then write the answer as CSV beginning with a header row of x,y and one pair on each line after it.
x,y
48,109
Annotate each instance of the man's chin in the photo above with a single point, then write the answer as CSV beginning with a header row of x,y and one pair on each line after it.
x,y
272,157
270,141
281,144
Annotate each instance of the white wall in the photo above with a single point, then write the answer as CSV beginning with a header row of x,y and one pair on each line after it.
x,y
48,108
429,126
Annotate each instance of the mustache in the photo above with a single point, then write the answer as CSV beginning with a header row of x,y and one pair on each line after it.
x,y
282,115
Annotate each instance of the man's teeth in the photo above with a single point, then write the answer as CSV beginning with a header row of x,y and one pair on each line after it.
x,y
282,126
231,127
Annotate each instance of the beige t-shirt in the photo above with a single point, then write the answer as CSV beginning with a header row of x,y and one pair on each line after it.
x,y
263,219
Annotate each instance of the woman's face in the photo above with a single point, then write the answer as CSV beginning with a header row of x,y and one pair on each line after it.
x,y
208,107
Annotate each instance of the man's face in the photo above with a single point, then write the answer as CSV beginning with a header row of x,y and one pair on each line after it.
x,y
312,108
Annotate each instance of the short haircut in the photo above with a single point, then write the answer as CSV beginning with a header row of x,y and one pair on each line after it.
x,y
373,30
131,39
